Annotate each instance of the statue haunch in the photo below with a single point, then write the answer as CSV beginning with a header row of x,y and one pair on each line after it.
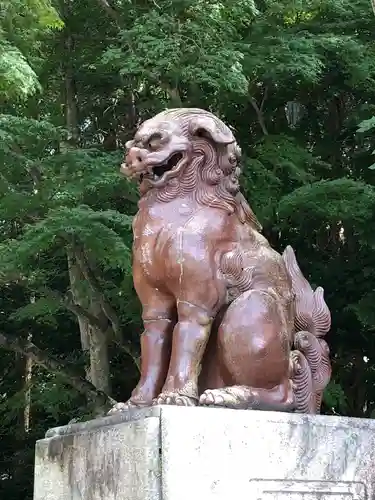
x,y
227,320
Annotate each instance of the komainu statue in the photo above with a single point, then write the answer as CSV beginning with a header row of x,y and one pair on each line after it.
x,y
228,321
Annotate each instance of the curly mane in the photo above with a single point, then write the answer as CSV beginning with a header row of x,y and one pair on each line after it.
x,y
212,173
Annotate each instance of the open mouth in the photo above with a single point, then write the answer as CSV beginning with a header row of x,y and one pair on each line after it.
x,y
159,170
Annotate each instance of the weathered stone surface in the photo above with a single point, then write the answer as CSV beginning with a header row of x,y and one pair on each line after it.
x,y
176,453
97,461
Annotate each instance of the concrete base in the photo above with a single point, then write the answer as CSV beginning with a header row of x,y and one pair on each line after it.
x,y
177,453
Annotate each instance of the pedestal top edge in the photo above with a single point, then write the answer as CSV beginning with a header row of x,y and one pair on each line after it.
x,y
188,413
110,420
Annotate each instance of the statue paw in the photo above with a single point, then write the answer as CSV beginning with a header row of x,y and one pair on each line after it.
x,y
175,398
213,397
121,407
236,397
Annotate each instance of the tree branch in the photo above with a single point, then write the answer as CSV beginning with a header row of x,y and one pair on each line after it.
x,y
259,108
104,326
173,94
43,359
259,113
263,99
76,309
110,10
96,289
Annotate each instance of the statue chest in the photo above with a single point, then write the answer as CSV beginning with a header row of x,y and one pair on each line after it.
x,y
152,240
169,236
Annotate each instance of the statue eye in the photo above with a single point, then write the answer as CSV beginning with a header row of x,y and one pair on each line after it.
x,y
154,141
232,159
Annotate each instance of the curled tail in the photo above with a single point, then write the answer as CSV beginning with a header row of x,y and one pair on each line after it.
x,y
310,362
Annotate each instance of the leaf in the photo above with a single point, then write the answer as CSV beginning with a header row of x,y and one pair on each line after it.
x,y
366,125
42,310
17,78
334,397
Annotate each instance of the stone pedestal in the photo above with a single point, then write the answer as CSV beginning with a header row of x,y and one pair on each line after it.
x,y
173,453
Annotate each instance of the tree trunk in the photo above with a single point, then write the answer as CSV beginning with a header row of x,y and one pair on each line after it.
x,y
53,365
28,379
93,339
75,278
71,112
99,362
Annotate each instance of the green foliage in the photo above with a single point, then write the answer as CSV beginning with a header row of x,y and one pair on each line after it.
x,y
278,165
17,78
43,309
341,200
366,125
64,224
364,309
22,23
334,397
187,43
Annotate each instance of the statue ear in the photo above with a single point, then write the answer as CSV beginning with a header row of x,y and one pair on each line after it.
x,y
205,126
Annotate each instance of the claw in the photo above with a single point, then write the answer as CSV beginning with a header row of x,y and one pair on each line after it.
x,y
185,401
175,399
212,397
119,407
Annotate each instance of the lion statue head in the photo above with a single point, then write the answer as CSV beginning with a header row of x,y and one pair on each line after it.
x,y
188,151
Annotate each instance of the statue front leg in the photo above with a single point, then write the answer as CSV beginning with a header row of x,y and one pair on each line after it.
x,y
200,293
190,337
197,307
156,340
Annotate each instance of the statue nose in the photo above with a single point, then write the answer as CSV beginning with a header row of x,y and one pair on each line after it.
x,y
135,157
134,162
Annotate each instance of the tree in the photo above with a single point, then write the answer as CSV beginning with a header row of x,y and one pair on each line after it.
x,y
22,24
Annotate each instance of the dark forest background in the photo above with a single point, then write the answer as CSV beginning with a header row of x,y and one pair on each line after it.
x,y
295,79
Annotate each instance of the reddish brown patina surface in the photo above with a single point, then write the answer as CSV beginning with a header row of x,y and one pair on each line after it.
x,y
228,321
